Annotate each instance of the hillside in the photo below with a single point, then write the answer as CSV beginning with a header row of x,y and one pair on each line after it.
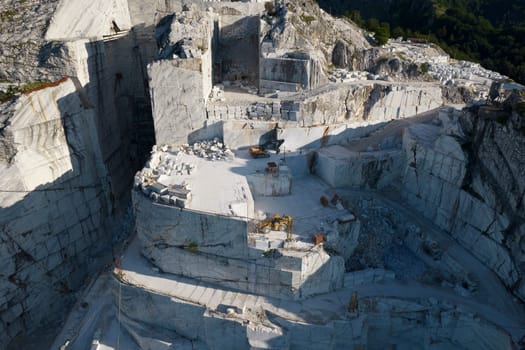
x,y
490,32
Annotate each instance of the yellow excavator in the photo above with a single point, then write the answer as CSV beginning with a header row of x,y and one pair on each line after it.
x,y
276,223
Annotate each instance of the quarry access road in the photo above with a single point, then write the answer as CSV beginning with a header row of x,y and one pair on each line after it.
x,y
492,300
92,310
331,86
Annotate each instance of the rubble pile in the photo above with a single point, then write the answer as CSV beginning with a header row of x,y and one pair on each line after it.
x,y
217,93
417,52
442,68
164,162
449,74
176,195
211,150
167,161
344,76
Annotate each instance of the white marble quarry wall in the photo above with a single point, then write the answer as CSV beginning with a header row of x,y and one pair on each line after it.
x,y
297,162
143,12
270,185
380,323
237,33
109,98
284,277
173,227
197,25
108,92
177,100
75,19
342,168
421,324
206,329
246,274
113,76
125,77
214,249
156,312
291,71
377,102
321,273
244,133
180,86
54,213
397,102
207,61
460,190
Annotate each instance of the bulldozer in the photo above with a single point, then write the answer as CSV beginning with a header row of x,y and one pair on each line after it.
x,y
275,223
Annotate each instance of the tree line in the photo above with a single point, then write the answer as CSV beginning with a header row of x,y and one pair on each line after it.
x,y
491,32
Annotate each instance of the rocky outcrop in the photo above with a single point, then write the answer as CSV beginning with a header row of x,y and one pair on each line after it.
x,y
346,55
394,68
24,56
302,29
303,25
181,83
54,206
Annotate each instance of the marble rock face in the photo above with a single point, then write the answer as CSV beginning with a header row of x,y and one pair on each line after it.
x,y
54,207
80,19
466,180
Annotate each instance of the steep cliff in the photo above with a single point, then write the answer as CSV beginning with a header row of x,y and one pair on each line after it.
x,y
469,179
370,102
54,206
68,151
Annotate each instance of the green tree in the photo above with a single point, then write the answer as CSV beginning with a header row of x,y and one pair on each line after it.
x,y
398,32
489,31
381,30
354,16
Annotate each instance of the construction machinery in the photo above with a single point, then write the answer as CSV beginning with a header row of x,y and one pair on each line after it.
x,y
272,144
268,142
276,223
272,168
319,238
258,152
